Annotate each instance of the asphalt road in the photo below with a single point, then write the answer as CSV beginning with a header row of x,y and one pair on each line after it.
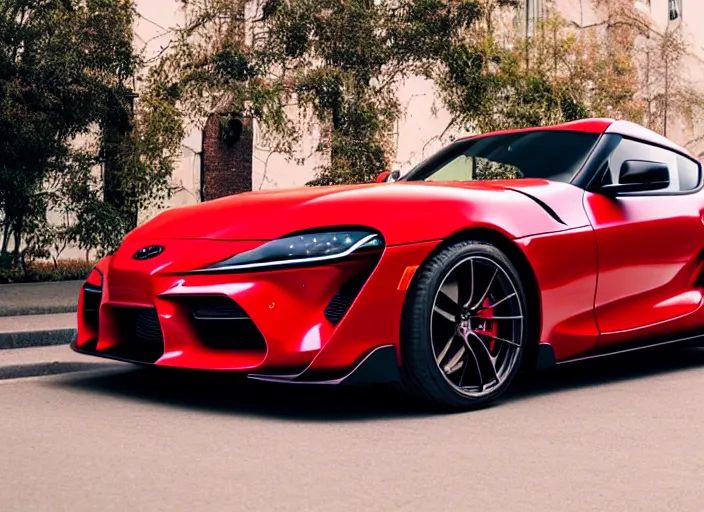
x,y
621,435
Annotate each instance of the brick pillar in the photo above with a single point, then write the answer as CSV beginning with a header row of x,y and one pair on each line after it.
x,y
227,168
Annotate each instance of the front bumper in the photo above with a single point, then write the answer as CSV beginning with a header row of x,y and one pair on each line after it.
x,y
294,325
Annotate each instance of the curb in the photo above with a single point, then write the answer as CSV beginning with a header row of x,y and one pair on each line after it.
x,y
24,371
27,339
37,310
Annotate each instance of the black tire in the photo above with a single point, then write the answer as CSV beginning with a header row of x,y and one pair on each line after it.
x,y
421,376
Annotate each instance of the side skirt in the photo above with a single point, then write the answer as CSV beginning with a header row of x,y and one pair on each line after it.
x,y
546,354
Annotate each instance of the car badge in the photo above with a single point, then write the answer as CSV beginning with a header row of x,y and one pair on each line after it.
x,y
148,252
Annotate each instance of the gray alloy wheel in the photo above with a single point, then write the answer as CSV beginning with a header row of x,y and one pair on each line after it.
x,y
465,327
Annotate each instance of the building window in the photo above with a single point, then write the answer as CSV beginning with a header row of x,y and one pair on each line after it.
x,y
643,5
528,15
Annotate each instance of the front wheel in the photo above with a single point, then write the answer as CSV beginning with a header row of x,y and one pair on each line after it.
x,y
465,327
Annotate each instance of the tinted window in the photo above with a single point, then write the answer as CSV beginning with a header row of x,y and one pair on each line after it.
x,y
684,173
689,171
550,154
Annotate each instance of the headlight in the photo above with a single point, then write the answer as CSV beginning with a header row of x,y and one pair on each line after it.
x,y
301,249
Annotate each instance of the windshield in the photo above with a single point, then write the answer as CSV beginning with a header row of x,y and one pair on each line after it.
x,y
555,155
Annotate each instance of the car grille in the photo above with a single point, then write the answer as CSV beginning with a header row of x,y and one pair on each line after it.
x,y
140,335
146,326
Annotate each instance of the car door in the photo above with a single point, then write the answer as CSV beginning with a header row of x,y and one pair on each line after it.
x,y
649,247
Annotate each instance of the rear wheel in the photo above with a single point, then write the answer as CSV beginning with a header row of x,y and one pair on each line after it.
x,y
465,327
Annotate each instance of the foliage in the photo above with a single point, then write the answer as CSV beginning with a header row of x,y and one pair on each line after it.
x,y
60,62
619,68
666,89
336,63
557,74
63,270
64,70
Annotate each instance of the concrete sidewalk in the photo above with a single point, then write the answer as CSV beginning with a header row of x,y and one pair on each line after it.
x,y
38,314
39,298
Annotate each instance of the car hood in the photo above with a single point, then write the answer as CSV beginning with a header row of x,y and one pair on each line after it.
x,y
402,211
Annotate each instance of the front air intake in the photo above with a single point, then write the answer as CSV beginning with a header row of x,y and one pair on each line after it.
x,y
214,308
140,335
146,326
222,323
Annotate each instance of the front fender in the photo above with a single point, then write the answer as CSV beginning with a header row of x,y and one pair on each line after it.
x,y
513,212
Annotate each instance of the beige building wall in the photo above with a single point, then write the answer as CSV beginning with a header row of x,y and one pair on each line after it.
x,y
153,31
420,131
690,20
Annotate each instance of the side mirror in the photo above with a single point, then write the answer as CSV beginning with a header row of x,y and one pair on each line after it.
x,y
383,177
640,176
388,176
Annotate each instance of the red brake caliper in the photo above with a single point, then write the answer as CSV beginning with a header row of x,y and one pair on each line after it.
x,y
489,327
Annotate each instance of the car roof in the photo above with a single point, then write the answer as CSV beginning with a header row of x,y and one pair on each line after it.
x,y
602,125
636,131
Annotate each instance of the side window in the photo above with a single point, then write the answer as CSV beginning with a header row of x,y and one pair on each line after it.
x,y
689,172
684,173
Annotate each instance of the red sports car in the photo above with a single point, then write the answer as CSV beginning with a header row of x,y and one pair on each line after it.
x,y
501,252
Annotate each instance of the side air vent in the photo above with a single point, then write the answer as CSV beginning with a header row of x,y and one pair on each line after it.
x,y
339,305
698,277
92,296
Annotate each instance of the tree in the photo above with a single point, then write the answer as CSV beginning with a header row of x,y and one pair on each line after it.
x,y
59,64
557,74
337,64
334,63
666,89
621,67
65,66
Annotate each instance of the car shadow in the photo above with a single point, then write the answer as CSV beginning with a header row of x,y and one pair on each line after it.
x,y
234,394
228,394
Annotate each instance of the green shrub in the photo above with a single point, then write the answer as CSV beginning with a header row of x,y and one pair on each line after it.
x,y
42,271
